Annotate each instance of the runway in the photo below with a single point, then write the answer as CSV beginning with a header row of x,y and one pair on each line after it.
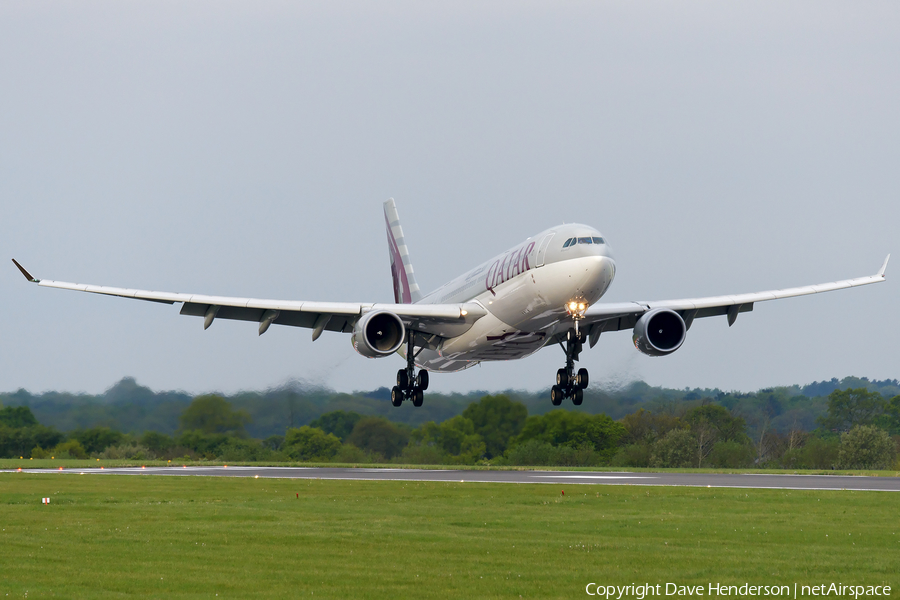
x,y
753,481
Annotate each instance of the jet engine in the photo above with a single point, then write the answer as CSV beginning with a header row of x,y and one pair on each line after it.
x,y
659,332
378,334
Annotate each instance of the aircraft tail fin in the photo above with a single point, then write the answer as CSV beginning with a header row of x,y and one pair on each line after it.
x,y
406,290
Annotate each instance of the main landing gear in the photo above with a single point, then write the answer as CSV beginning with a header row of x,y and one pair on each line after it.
x,y
410,386
569,383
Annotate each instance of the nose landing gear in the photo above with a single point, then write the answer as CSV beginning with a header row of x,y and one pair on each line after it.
x,y
569,383
410,385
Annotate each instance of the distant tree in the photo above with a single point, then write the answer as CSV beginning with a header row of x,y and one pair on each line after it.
x,y
420,454
310,443
818,453
563,427
892,416
159,443
726,426
497,419
96,439
455,439
206,445
532,453
711,424
20,442
273,442
848,408
792,446
128,390
645,426
239,449
731,455
676,449
69,449
376,434
866,447
338,422
632,455
17,417
772,405
128,450
822,388
213,414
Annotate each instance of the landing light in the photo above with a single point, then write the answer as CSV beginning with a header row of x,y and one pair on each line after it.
x,y
576,309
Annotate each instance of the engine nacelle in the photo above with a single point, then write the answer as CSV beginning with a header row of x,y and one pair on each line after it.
x,y
378,334
659,332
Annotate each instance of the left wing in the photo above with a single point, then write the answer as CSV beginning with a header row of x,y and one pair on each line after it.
x,y
444,320
623,315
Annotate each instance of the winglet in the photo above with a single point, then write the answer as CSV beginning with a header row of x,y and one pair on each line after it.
x,y
26,273
880,271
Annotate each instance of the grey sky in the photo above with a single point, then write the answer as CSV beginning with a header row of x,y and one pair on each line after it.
x,y
245,149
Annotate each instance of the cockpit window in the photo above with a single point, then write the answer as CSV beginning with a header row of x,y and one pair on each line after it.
x,y
583,240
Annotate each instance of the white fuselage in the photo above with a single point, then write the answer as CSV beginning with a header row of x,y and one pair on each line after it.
x,y
525,291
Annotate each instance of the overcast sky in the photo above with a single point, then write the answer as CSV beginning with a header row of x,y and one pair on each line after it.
x,y
245,149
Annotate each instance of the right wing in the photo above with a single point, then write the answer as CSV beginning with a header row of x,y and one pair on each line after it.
x,y
624,315
442,320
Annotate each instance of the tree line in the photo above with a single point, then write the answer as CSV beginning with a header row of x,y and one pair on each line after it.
x,y
133,408
859,428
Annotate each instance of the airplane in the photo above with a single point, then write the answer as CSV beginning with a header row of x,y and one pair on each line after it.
x,y
541,292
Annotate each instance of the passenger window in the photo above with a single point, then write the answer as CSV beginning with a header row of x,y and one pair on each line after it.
x,y
598,240
585,240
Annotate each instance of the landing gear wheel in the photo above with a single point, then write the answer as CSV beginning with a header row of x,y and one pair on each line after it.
x,y
577,397
396,396
582,379
556,395
402,379
422,380
417,397
562,378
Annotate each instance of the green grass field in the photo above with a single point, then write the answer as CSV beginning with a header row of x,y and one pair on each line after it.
x,y
196,537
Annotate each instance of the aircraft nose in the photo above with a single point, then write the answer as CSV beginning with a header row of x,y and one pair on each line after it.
x,y
604,250
598,275
604,273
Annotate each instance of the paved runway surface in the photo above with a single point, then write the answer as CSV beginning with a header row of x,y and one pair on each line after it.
x,y
793,482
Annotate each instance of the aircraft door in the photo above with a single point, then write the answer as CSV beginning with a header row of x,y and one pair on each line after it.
x,y
542,249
